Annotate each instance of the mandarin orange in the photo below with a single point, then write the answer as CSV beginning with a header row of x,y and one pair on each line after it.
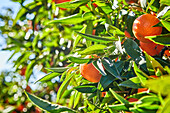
x,y
89,72
151,48
143,26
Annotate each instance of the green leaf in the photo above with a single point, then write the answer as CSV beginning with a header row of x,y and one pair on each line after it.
x,y
73,19
111,68
58,69
92,107
162,39
48,77
23,10
29,69
78,37
132,83
166,2
166,24
79,60
72,4
166,106
114,30
166,15
132,49
93,49
140,74
86,89
89,30
118,107
155,64
77,98
97,38
52,108
63,86
17,42
97,64
118,97
106,80
159,85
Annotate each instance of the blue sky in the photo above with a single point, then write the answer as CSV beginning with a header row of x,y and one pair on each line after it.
x,y
4,55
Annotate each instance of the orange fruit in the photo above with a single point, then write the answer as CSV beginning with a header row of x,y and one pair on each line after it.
x,y
127,34
103,94
143,26
167,53
142,90
131,1
151,48
89,72
22,71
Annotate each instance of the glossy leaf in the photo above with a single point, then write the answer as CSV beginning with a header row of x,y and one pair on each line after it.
x,y
52,108
72,4
58,69
166,24
77,98
161,39
166,2
132,83
29,69
132,49
140,74
118,107
155,64
97,38
86,89
73,19
111,68
98,65
93,49
79,60
63,86
48,77
118,97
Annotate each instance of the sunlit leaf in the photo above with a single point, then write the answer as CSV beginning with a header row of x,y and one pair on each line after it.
x,y
118,97
97,38
154,85
132,83
72,4
58,69
48,77
86,88
140,74
111,68
63,86
79,60
52,108
73,19
93,49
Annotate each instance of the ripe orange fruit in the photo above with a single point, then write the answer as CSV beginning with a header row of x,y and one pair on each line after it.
x,y
151,48
143,26
103,94
22,71
127,34
167,53
142,90
89,72
131,1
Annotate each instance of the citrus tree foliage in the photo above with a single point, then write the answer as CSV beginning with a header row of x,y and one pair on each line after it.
x,y
57,36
